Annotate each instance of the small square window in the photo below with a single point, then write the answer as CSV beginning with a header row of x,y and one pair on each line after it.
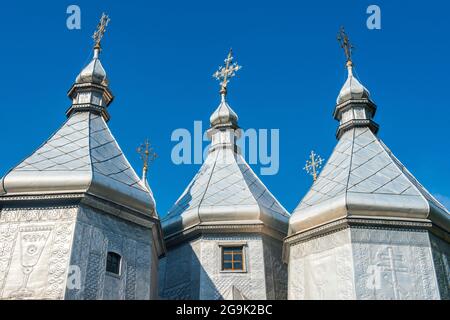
x,y
232,258
113,261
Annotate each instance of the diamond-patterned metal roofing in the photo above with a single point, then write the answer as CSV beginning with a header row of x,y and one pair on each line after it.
x,y
81,156
361,163
226,182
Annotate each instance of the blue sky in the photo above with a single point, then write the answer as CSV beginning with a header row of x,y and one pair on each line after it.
x,y
160,55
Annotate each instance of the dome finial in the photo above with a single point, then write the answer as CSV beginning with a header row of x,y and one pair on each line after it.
x,y
98,34
345,44
227,72
224,115
90,90
352,88
94,72
148,155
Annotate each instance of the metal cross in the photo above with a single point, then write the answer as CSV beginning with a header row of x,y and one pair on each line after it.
x,y
147,155
392,263
345,44
313,165
227,72
101,28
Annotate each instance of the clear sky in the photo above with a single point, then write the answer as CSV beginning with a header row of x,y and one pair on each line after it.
x,y
160,55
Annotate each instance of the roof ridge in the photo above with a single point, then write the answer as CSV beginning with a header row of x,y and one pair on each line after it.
x,y
121,154
266,190
91,164
349,168
207,185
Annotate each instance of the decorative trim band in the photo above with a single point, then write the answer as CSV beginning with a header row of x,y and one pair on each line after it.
x,y
194,231
341,224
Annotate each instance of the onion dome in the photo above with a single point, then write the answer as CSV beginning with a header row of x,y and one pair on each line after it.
x,y
224,115
93,72
225,195
362,179
352,89
82,156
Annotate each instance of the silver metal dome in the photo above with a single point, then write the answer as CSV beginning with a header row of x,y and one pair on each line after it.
x,y
223,115
93,72
352,88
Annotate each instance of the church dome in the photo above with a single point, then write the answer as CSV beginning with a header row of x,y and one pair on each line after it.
x,y
226,192
83,157
362,178
223,115
93,72
352,88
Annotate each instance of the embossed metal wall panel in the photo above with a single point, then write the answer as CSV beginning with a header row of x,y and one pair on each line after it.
x,y
35,246
393,264
441,258
369,263
322,268
96,234
193,270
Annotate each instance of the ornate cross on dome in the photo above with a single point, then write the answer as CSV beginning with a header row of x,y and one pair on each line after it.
x,y
227,72
147,155
344,41
101,28
313,165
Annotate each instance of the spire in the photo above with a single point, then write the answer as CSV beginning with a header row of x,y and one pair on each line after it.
x,y
313,164
362,181
147,155
354,106
94,71
90,92
82,156
225,191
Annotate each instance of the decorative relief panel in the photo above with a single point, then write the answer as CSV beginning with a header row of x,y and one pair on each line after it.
x,y
382,263
97,233
130,285
275,269
321,268
441,259
393,264
95,273
296,274
35,249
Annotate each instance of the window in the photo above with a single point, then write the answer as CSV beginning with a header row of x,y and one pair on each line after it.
x,y
113,263
232,258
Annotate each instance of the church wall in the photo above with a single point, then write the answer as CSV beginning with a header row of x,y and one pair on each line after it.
x,y
441,259
215,284
193,270
393,264
36,242
321,268
276,270
96,234
180,272
367,263
154,285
